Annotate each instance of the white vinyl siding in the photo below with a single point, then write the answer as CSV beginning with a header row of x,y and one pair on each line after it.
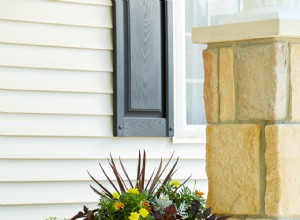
x,y
57,12
56,80
56,109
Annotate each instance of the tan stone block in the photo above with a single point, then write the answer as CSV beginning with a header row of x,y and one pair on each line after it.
x,y
233,168
211,85
283,170
295,81
227,85
262,81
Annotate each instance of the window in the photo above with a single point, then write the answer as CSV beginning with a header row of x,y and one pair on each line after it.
x,y
189,71
143,56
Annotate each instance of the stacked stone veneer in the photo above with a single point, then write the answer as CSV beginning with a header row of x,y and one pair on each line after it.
x,y
252,101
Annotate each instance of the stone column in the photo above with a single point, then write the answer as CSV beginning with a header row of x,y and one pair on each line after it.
x,y
252,101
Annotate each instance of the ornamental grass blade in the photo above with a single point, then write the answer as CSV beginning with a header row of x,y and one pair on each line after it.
x,y
171,172
122,180
117,175
156,178
158,185
168,177
78,215
184,182
165,169
181,184
124,184
150,179
138,171
101,186
124,170
110,181
99,193
167,164
143,172
140,187
85,209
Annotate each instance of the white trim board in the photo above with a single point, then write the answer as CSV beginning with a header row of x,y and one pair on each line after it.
x,y
246,31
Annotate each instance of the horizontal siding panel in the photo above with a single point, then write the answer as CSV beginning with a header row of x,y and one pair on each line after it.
x,y
59,192
55,58
54,12
75,170
92,2
55,125
55,35
55,103
95,148
55,80
61,211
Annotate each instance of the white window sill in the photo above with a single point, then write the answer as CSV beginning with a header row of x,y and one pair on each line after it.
x,y
179,140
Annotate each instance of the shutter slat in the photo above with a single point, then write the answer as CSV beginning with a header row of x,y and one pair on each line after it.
x,y
145,127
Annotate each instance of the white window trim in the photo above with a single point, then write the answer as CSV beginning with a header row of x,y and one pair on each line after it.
x,y
184,133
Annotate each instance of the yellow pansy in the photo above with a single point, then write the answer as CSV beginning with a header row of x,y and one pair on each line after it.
x,y
175,183
134,216
143,212
116,195
133,191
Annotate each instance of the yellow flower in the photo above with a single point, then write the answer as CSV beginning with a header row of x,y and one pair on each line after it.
x,y
134,216
175,183
116,195
133,191
143,212
199,193
118,205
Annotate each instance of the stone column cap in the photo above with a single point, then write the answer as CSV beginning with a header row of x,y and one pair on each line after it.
x,y
246,31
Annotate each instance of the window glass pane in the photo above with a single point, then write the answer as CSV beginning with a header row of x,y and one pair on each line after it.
x,y
195,104
200,13
193,59
196,14
218,11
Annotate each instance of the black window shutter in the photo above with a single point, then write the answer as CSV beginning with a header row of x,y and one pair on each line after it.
x,y
143,68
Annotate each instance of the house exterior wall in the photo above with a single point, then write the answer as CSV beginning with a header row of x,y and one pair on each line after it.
x,y
56,109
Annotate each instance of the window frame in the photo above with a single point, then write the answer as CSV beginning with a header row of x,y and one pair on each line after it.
x,y
184,133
